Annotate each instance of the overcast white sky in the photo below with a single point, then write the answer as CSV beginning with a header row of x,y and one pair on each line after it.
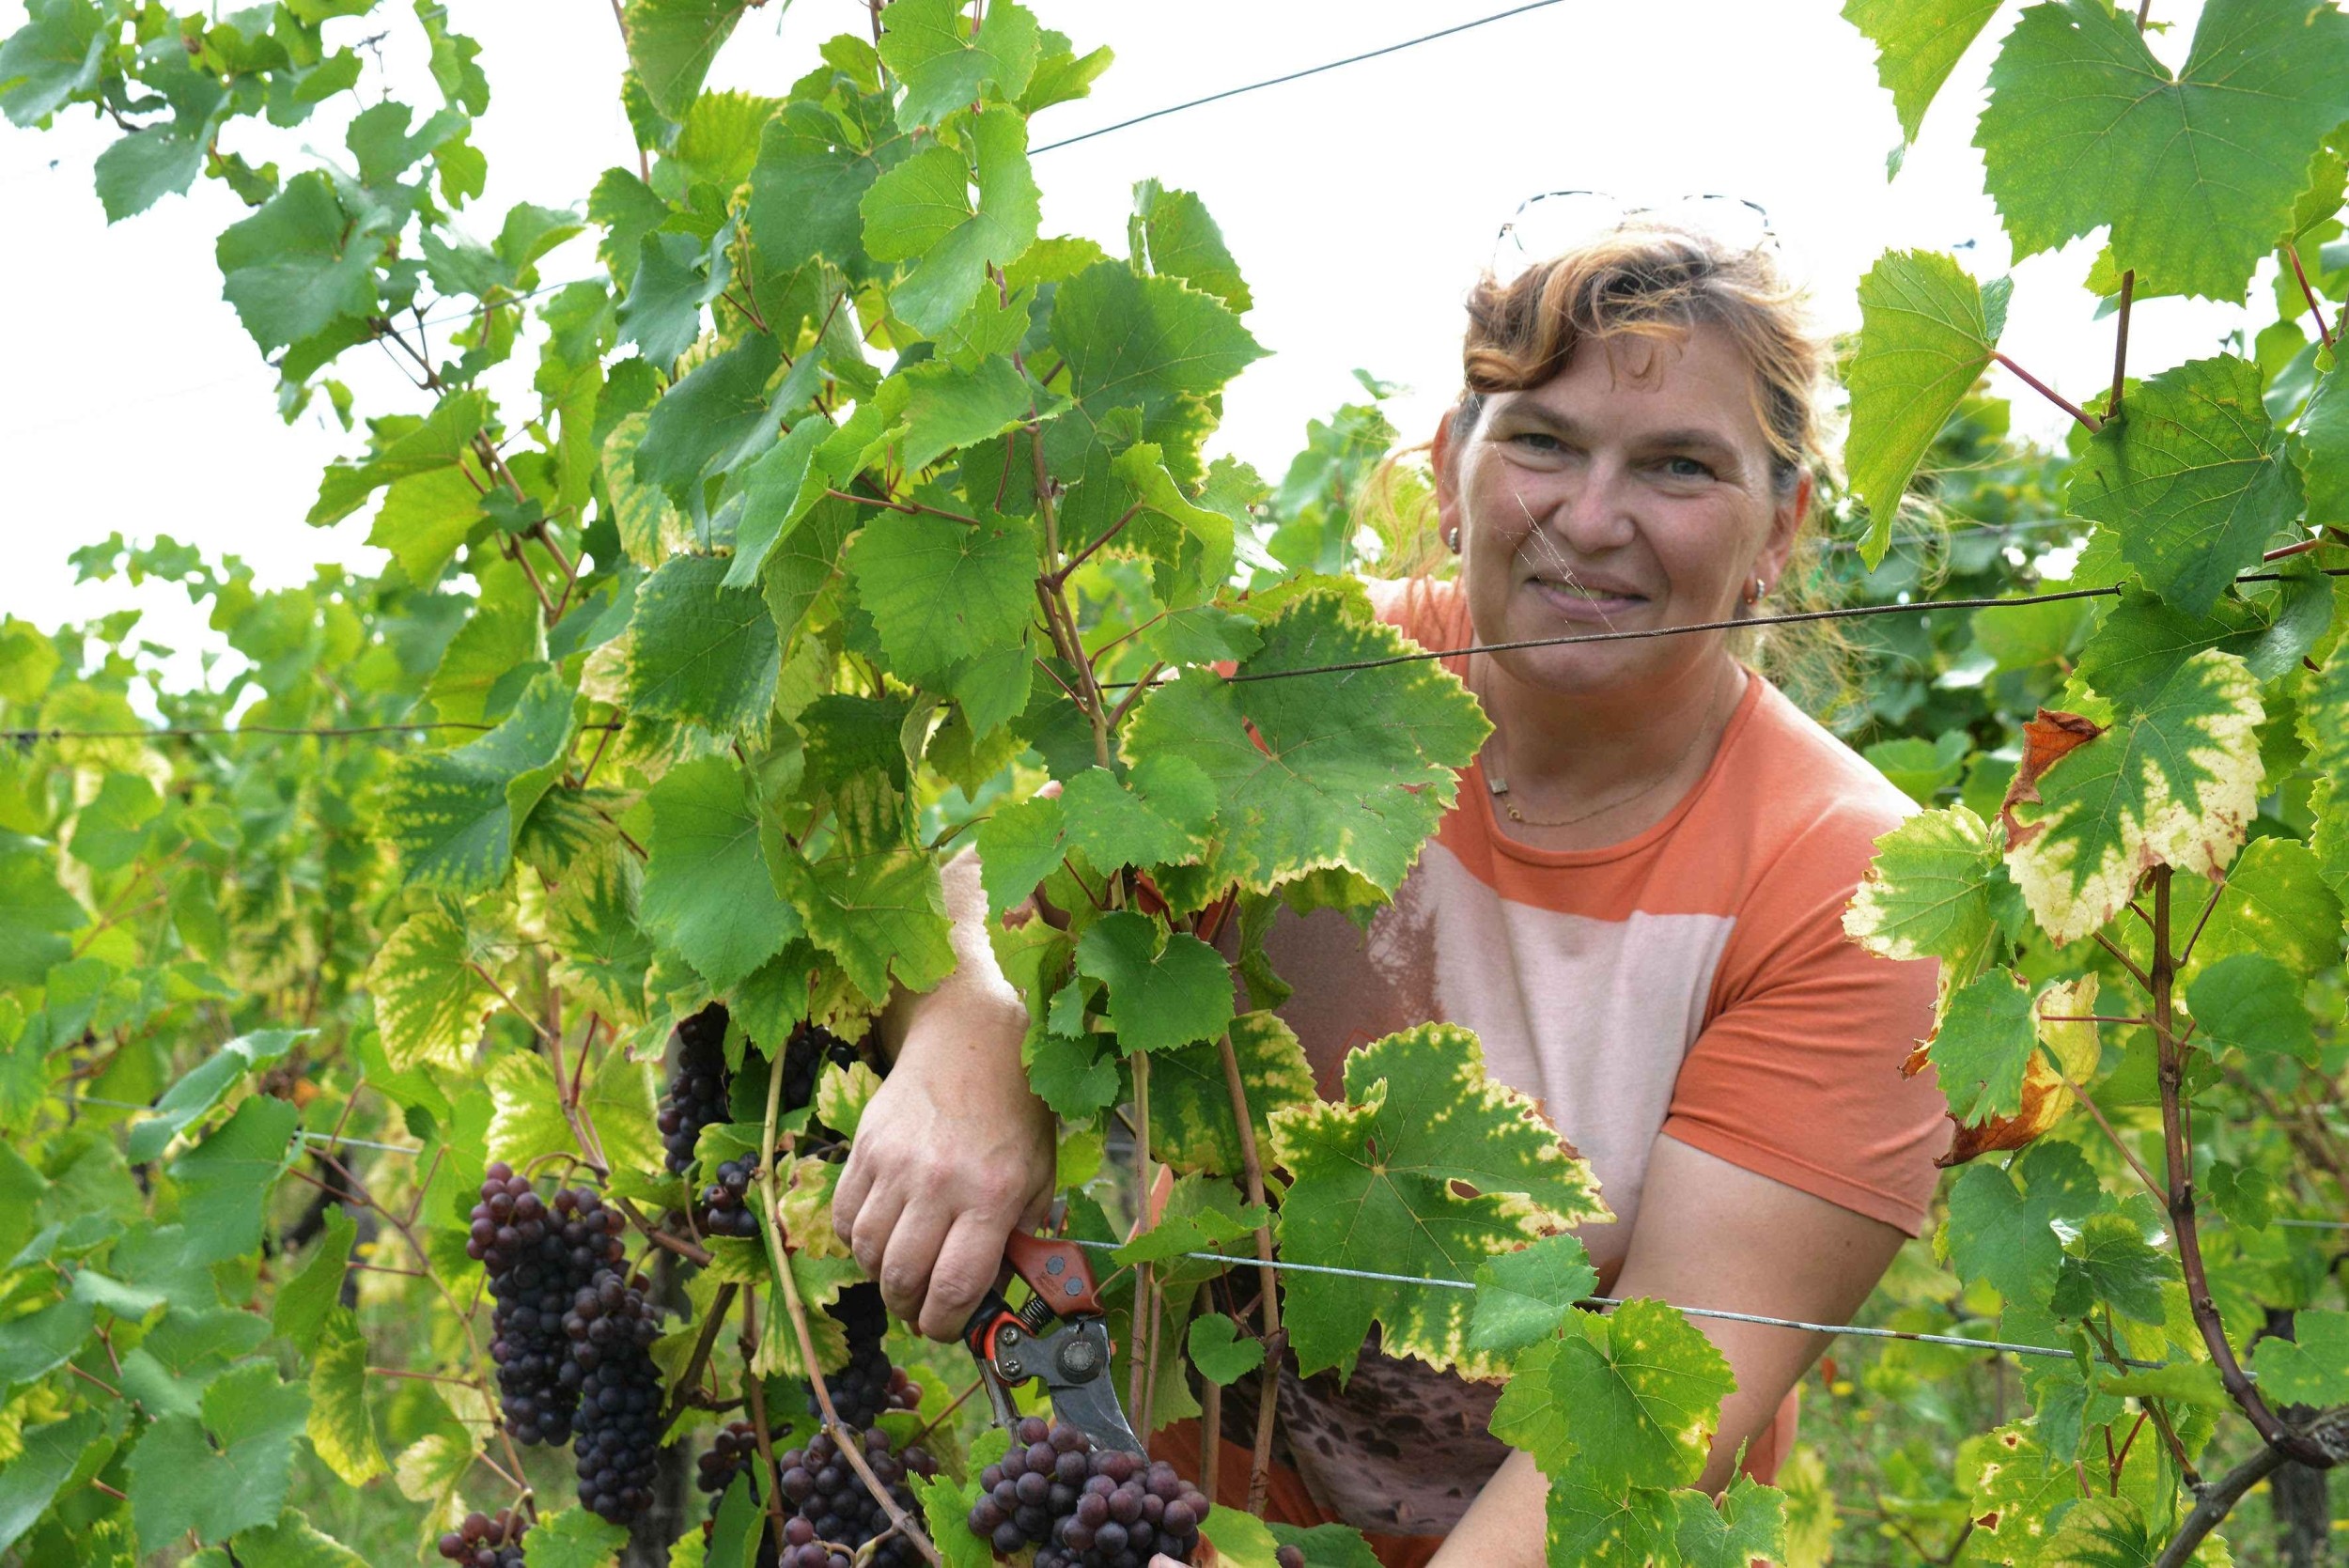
x,y
1359,203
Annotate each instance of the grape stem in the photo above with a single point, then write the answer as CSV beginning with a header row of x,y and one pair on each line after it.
x,y
1275,1339
719,1307
851,1449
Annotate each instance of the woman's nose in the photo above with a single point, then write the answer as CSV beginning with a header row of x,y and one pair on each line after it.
x,y
1590,511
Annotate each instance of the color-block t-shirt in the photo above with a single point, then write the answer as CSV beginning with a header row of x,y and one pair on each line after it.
x,y
1693,980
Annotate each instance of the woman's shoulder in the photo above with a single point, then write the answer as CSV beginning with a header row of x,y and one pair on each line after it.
x,y
1812,788
1425,609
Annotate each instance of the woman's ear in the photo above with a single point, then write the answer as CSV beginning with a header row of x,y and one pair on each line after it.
x,y
1447,485
1778,547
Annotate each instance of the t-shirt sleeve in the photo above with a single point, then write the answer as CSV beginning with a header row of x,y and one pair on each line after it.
x,y
1797,1075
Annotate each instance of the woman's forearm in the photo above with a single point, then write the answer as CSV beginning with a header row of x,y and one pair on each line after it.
x,y
1507,1526
975,987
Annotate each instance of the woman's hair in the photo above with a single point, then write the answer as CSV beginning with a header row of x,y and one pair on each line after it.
x,y
1652,284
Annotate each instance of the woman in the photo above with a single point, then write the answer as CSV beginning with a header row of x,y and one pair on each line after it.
x,y
1637,900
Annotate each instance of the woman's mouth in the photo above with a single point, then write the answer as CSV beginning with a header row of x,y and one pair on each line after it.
x,y
1600,604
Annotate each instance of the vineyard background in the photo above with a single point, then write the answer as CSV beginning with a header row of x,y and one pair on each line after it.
x,y
166,895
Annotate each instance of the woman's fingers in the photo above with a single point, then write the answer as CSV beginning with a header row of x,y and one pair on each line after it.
x,y
968,1265
848,1196
875,1219
912,1253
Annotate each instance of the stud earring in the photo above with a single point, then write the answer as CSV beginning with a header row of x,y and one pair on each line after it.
x,y
1759,589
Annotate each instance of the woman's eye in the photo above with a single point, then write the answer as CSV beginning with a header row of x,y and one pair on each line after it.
x,y
1687,468
1537,440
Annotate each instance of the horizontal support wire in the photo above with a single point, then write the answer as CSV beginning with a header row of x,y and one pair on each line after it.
x,y
1849,1330
1847,612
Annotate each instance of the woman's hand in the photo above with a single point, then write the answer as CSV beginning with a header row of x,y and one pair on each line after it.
x,y
954,1151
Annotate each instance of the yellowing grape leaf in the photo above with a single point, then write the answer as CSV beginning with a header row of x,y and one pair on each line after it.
x,y
429,998
1426,1168
2067,1050
1193,1126
2174,783
456,816
2196,173
1926,333
1626,1400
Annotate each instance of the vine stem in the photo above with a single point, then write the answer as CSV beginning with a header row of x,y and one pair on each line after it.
x,y
1275,1340
2315,307
2178,1159
2121,336
2050,393
1145,1355
851,1449
2215,1503
754,1395
722,1304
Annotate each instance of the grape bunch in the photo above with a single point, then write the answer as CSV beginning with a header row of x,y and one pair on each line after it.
x,y
612,1327
868,1385
726,1208
1084,1507
804,1057
834,1512
486,1541
698,1085
537,1255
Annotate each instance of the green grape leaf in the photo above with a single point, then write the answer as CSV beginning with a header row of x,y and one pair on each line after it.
x,y
340,1427
2324,439
1984,1045
719,415
2111,1261
56,54
1459,1169
1172,231
1159,816
429,998
140,169
50,1455
2196,173
948,406
572,1538
922,212
2141,641
2194,480
1020,844
805,189
880,911
670,45
1748,1524
1926,892
2176,784
1075,1074
707,893
2311,1368
1192,1125
38,1343
1523,1297
601,952
225,1181
1926,334
438,444
1626,1400
425,518
942,593
304,1302
293,1542
932,50
455,816
1154,345
779,491
2253,1002
1916,45
226,1470
528,1121
2274,903
201,1089
1350,771
2007,1235
946,1503
1163,993
296,266
1220,1352
701,651
2102,1532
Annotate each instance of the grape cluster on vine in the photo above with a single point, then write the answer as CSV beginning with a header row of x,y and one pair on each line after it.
x,y
805,1054
838,1511
699,1085
869,1384
725,1206
486,1541
539,1255
1082,1506
612,1327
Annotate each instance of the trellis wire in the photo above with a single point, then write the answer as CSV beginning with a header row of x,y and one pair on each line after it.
x,y
1853,1330
1846,1330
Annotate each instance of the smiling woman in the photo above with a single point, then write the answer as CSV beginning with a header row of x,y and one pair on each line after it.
x,y
1637,904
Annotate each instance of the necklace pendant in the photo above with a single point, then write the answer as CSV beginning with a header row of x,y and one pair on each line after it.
x,y
1494,784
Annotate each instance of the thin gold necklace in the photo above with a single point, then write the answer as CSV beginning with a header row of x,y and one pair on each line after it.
x,y
1498,787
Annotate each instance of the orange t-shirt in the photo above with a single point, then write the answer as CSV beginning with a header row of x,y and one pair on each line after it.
x,y
1692,981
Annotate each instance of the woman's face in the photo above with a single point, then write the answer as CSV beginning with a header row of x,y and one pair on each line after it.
x,y
1606,501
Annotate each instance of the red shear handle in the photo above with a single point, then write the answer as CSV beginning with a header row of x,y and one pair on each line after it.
x,y
1055,1270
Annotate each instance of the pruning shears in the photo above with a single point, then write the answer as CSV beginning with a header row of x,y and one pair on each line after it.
x,y
1059,1335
